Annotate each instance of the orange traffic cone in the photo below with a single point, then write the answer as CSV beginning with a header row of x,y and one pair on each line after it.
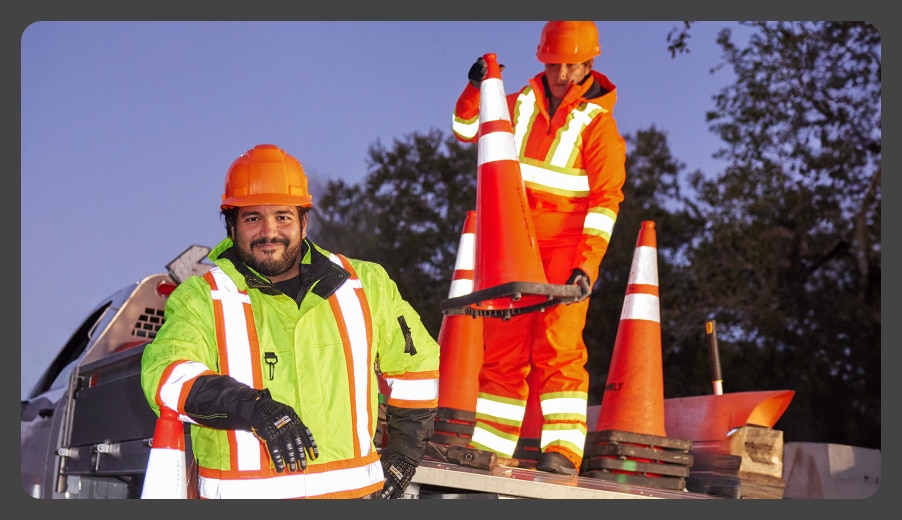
x,y
509,277
460,341
633,398
166,475
460,337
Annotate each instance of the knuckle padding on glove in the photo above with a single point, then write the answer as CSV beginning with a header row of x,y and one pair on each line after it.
x,y
398,473
286,436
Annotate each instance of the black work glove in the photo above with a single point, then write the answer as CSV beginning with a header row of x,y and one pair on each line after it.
x,y
478,70
579,278
285,436
399,470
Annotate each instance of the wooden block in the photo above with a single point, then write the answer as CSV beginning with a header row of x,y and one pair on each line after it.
x,y
759,449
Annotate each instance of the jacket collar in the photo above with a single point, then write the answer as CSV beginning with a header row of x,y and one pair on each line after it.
x,y
316,270
596,88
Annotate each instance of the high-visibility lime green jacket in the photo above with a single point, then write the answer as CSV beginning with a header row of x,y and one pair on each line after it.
x,y
232,329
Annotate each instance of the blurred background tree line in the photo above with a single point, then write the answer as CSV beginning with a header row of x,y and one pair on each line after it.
x,y
782,248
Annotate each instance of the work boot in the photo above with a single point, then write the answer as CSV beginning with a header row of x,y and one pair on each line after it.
x,y
553,462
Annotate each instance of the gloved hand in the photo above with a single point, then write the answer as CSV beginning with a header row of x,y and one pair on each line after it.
x,y
398,471
478,70
286,437
579,278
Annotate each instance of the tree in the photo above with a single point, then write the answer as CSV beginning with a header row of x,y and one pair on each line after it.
x,y
789,261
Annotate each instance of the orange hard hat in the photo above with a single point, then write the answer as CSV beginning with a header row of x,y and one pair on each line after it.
x,y
568,42
266,174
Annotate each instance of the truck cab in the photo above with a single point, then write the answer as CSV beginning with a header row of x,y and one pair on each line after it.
x,y
86,428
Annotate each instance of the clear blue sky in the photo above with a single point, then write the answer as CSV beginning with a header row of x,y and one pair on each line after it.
x,y
128,128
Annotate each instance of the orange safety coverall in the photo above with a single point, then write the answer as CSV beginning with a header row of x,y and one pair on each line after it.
x,y
573,168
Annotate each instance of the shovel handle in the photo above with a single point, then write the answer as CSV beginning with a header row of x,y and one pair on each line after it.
x,y
714,357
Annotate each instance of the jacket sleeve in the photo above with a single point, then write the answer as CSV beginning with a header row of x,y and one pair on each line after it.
x,y
408,431
183,349
605,162
219,401
408,358
465,121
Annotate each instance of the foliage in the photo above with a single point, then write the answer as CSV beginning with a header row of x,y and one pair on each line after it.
x,y
790,255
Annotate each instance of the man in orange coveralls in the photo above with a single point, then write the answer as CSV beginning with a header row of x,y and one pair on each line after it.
x,y
572,159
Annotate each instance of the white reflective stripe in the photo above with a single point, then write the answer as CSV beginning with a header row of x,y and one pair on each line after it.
x,y
495,443
506,411
600,221
496,146
644,269
237,296
413,389
247,451
235,323
578,120
574,436
465,130
460,287
639,306
292,485
525,107
353,313
466,252
465,261
492,101
567,405
544,177
171,390
238,352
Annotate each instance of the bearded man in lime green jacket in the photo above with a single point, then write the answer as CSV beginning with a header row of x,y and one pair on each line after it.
x,y
275,355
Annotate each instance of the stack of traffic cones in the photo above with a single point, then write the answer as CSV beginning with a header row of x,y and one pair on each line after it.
x,y
460,341
629,443
509,277
166,474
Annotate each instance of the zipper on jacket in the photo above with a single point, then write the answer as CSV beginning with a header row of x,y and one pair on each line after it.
x,y
270,358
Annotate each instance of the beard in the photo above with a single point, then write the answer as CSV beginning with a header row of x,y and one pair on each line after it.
x,y
270,265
